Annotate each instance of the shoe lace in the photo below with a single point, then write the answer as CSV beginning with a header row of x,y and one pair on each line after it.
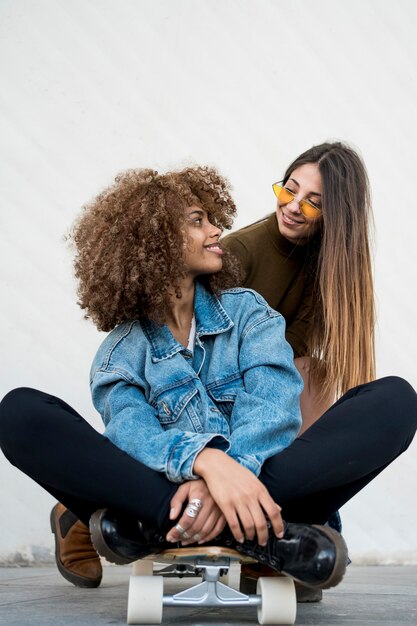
x,y
265,554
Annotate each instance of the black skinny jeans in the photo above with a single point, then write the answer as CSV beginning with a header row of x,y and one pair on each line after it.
x,y
351,443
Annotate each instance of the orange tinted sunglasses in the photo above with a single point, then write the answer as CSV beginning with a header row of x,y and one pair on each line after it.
x,y
285,196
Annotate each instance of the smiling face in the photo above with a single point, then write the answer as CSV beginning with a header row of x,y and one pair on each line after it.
x,y
203,253
305,183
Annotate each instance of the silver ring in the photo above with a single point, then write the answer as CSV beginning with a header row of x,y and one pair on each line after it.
x,y
180,529
196,502
191,511
186,535
197,537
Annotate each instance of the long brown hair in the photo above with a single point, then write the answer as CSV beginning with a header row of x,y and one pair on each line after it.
x,y
129,242
343,320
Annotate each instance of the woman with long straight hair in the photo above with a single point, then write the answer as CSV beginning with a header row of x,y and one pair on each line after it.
x,y
311,261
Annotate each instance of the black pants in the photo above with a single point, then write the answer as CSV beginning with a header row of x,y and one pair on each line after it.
x,y
343,451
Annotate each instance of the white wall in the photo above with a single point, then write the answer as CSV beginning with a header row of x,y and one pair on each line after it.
x,y
91,87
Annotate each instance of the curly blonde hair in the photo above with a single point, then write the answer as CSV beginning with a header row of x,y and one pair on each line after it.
x,y
129,242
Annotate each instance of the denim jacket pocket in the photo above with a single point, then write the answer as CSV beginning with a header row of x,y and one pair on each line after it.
x,y
179,407
224,393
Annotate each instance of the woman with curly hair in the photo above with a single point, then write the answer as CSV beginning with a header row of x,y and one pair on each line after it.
x,y
199,395
130,243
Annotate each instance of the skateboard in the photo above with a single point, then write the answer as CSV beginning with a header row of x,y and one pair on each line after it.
x,y
275,598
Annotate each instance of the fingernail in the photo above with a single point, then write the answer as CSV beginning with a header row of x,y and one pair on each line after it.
x,y
264,543
280,535
172,513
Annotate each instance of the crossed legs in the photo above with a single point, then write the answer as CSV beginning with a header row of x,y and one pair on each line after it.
x,y
321,470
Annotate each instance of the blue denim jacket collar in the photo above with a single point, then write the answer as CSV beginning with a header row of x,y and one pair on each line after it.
x,y
210,317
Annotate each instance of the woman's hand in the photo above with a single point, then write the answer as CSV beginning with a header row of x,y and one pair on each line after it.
x,y
209,521
242,498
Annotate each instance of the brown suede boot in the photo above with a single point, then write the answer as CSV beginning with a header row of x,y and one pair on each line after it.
x,y
75,556
250,573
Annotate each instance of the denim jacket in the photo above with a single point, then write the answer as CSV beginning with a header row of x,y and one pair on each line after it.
x,y
238,391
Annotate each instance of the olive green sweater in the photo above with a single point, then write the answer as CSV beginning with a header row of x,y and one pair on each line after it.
x,y
276,268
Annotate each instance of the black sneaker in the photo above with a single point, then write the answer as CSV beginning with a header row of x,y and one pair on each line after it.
x,y
315,556
123,540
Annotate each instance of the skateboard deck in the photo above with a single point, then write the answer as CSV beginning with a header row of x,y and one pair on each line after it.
x,y
199,552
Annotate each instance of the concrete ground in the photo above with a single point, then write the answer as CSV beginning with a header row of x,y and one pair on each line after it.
x,y
39,596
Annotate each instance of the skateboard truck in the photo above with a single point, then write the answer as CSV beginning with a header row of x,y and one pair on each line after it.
x,y
275,598
211,592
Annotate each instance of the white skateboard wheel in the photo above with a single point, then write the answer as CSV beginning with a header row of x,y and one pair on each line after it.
x,y
145,600
279,602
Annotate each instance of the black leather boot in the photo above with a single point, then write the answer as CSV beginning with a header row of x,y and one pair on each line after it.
x,y
315,556
123,540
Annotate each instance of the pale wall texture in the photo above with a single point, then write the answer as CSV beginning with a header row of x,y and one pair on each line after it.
x,y
89,88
